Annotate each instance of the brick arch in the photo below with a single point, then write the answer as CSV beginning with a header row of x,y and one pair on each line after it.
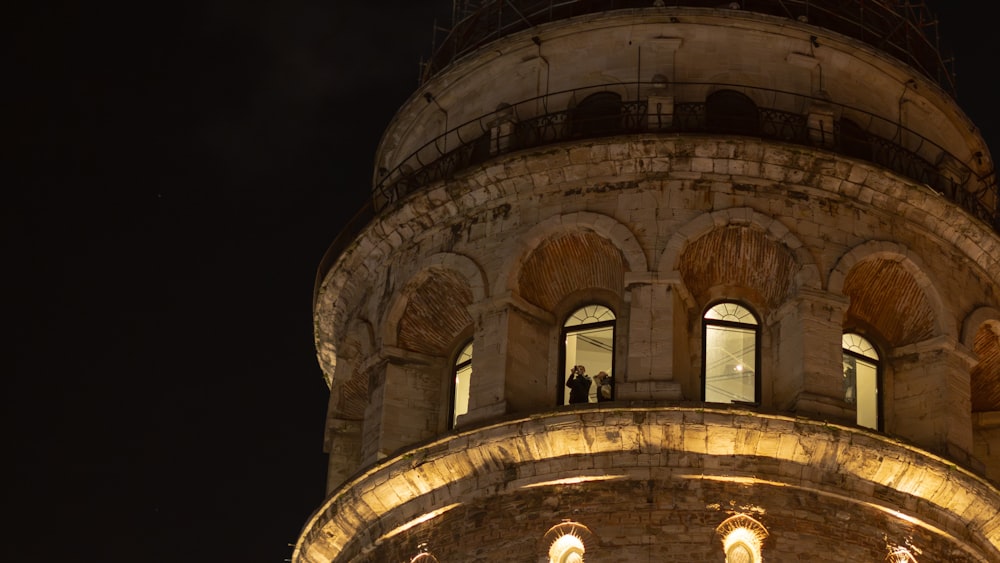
x,y
807,274
430,311
597,226
446,279
349,388
751,250
738,255
569,263
981,334
890,291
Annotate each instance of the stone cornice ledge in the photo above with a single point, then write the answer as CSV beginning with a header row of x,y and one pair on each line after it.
x,y
869,469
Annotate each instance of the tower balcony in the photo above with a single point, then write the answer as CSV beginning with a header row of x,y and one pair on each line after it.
x,y
685,108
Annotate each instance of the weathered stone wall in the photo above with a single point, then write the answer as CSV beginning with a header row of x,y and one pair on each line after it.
x,y
656,482
615,51
833,229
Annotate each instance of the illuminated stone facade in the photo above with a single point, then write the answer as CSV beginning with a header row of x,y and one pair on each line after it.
x,y
700,202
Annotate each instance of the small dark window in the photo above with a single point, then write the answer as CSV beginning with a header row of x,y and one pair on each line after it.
x,y
598,114
854,141
728,111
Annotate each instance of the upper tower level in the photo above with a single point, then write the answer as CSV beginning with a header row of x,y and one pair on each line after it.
x,y
864,79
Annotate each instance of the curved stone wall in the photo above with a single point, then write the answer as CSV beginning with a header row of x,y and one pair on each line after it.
x,y
690,53
656,482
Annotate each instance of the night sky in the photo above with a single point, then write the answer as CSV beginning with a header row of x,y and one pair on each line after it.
x,y
177,172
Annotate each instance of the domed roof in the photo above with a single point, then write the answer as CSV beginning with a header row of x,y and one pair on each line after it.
x,y
907,32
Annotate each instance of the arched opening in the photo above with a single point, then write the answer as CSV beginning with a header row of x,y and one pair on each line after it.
x,y
731,351
598,114
739,553
728,111
854,141
462,374
862,380
567,549
588,355
742,539
567,542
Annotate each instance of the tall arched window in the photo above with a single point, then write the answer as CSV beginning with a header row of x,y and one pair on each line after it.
x,y
731,336
862,380
588,355
460,383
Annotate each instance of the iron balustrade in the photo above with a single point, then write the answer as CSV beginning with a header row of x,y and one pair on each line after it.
x,y
531,123
905,29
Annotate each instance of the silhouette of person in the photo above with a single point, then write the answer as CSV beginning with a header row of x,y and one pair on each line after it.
x,y
605,386
579,385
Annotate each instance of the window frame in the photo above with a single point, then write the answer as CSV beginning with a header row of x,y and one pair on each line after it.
x,y
565,331
457,366
757,329
879,377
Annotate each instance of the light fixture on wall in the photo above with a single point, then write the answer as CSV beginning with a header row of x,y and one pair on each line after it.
x,y
742,539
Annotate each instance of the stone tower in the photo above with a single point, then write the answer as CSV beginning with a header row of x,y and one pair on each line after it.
x,y
767,223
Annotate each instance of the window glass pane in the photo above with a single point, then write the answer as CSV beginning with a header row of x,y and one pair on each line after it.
x,y
867,394
463,374
861,379
590,314
731,312
859,345
730,364
590,351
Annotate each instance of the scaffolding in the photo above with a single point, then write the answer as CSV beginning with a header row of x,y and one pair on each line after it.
x,y
905,29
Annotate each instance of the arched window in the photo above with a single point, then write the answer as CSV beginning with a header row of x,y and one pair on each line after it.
x,y
460,383
862,380
598,114
742,539
567,542
731,336
588,355
728,111
739,553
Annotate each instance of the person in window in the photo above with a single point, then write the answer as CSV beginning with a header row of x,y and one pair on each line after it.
x,y
579,385
605,386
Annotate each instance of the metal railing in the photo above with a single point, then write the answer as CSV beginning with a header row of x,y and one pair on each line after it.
x,y
905,29
535,122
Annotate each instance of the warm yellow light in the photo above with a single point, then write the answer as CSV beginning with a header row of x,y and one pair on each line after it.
x,y
416,521
574,480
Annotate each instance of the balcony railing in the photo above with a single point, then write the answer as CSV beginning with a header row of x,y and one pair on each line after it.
x,y
533,122
652,110
904,29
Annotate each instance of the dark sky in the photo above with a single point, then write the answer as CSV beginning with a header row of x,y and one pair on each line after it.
x,y
177,173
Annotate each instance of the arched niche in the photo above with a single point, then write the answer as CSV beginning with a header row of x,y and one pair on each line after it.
x,y
890,293
632,256
568,263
